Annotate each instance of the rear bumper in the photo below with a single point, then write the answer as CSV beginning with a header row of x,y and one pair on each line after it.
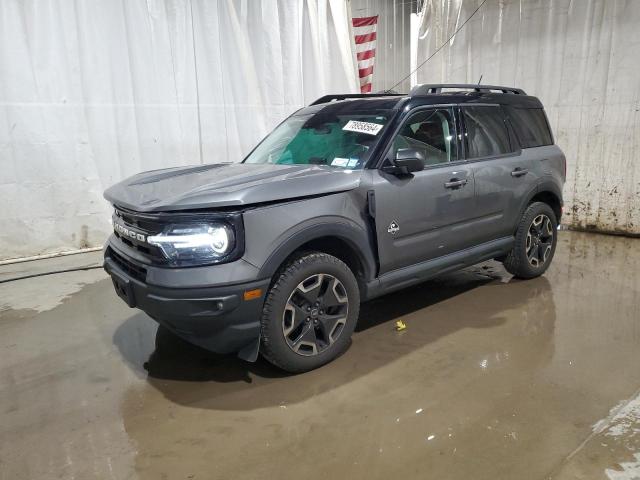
x,y
216,318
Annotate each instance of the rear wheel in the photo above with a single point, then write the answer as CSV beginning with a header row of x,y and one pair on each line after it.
x,y
535,242
310,313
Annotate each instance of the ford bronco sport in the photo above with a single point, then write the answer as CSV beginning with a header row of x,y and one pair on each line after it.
x,y
348,199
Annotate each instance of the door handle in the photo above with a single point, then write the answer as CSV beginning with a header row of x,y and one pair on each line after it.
x,y
519,172
455,183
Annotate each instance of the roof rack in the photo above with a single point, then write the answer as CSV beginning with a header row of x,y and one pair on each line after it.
x,y
427,88
344,96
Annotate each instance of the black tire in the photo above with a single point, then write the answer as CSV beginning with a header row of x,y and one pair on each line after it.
x,y
521,260
281,328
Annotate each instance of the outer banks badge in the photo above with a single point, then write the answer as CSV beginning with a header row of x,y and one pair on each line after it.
x,y
393,228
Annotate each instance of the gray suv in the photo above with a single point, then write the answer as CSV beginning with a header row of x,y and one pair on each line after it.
x,y
348,199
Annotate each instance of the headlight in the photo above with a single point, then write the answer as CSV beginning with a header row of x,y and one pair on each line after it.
x,y
195,244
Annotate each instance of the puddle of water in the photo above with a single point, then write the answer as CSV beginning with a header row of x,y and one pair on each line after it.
x,y
46,292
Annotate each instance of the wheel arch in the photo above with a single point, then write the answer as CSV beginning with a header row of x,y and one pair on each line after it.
x,y
549,193
551,199
344,241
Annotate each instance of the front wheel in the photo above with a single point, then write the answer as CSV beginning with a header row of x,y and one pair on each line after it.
x,y
535,242
310,313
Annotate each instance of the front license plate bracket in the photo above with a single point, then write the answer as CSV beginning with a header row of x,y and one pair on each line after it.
x,y
123,289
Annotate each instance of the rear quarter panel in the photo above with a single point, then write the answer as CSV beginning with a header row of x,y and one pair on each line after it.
x,y
553,164
548,165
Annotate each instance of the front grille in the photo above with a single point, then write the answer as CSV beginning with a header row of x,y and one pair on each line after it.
x,y
127,266
148,250
147,223
144,224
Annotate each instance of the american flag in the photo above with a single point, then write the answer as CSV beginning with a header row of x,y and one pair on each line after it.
x,y
365,32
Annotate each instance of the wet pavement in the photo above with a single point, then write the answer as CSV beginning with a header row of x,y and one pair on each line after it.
x,y
493,378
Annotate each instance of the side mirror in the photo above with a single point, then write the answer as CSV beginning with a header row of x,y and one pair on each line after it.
x,y
407,160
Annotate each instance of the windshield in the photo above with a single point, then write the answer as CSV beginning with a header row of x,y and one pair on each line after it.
x,y
336,140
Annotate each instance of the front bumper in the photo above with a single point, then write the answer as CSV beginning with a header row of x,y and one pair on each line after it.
x,y
214,317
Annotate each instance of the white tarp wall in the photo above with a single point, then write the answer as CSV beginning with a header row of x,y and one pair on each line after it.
x,y
582,59
92,92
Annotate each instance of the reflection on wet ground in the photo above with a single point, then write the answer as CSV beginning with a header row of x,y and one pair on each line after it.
x,y
493,378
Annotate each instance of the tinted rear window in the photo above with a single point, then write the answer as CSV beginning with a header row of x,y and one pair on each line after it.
x,y
531,127
487,133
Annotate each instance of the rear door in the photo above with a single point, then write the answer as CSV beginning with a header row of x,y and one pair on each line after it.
x,y
424,215
503,174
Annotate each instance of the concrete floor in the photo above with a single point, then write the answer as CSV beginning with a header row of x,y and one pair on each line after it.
x,y
493,379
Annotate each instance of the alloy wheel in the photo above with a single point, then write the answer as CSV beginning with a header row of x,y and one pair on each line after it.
x,y
315,314
539,240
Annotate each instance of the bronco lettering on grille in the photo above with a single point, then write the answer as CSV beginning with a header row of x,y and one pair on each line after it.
x,y
122,230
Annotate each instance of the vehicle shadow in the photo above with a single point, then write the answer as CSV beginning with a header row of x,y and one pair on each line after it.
x,y
189,375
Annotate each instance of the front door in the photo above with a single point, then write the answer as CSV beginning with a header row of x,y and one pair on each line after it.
x,y
426,214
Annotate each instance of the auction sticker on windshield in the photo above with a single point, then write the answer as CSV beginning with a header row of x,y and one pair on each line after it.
x,y
362,127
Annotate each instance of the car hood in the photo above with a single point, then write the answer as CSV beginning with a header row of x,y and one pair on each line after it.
x,y
227,184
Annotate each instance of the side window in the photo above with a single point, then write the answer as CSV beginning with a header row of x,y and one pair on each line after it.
x,y
430,132
531,127
486,132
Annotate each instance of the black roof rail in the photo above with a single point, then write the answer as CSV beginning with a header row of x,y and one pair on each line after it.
x,y
428,88
345,96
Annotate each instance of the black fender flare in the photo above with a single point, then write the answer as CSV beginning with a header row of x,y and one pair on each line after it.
x,y
356,236
551,187
542,187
